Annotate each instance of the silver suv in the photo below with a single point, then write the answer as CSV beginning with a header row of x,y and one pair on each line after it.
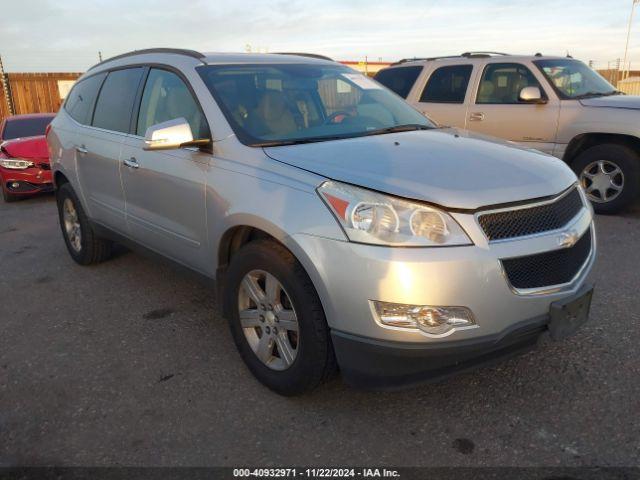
x,y
557,105
342,228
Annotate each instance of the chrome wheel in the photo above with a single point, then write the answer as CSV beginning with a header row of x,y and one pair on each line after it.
x,y
602,180
268,320
72,224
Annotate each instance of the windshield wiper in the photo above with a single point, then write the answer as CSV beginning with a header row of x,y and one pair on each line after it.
x,y
597,94
399,128
300,141
380,131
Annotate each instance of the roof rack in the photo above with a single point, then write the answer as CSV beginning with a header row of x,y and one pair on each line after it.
x,y
482,54
301,54
423,59
465,54
177,51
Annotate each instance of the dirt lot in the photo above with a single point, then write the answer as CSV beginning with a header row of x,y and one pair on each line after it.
x,y
126,363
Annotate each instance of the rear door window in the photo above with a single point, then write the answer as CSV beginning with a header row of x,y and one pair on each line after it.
x,y
80,101
116,100
399,80
447,85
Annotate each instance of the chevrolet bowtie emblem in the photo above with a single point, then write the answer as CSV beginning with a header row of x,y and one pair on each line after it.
x,y
568,239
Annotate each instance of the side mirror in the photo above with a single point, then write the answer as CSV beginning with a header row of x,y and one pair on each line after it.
x,y
531,95
171,134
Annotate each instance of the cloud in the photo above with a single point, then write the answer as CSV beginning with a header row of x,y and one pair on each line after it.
x,y
67,34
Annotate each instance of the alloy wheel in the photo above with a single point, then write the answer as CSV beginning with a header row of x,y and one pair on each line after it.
x,y
72,224
602,180
268,320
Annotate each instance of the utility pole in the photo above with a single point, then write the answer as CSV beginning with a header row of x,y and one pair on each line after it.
x,y
99,55
626,47
5,87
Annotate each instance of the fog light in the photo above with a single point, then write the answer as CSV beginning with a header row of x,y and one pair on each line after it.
x,y
429,319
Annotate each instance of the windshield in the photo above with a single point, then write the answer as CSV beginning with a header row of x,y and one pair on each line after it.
x,y
572,79
299,103
25,127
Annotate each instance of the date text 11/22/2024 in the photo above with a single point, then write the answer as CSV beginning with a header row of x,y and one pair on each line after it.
x,y
315,473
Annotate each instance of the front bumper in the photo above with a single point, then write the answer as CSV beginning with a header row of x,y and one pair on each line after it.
x,y
26,182
348,276
385,365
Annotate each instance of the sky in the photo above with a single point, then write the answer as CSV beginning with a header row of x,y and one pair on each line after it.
x,y
66,35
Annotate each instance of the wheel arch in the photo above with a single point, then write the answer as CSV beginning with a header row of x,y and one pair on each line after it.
x,y
59,179
584,141
248,230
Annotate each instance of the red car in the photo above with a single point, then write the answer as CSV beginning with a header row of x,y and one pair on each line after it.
x,y
24,157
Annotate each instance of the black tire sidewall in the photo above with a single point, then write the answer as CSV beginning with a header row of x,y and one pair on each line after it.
x,y
627,160
306,370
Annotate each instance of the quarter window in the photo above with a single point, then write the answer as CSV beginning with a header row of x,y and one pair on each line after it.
x,y
116,99
502,82
399,80
447,85
79,103
166,97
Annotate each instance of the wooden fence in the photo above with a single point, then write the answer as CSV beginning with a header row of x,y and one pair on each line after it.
x,y
35,92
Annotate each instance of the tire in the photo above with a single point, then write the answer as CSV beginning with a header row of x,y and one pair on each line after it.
x,y
89,248
612,156
8,197
314,360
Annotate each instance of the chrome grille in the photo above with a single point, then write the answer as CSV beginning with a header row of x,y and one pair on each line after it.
x,y
547,269
528,221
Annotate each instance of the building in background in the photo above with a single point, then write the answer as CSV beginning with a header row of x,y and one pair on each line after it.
x,y
366,67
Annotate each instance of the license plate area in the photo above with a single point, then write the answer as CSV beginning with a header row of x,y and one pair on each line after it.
x,y
568,315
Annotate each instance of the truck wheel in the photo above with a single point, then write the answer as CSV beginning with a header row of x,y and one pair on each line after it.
x,y
610,175
276,319
84,246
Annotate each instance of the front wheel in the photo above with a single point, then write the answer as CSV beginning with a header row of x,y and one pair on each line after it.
x,y
84,246
276,319
610,176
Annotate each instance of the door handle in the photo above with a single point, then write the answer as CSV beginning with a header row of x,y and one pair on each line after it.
x,y
131,162
476,117
82,149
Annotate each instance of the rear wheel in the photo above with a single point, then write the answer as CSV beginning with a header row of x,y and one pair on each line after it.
x,y
84,246
276,319
610,175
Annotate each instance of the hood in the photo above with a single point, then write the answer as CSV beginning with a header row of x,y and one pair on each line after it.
x,y
613,101
448,167
32,148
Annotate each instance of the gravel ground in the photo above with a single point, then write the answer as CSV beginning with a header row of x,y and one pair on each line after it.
x,y
126,363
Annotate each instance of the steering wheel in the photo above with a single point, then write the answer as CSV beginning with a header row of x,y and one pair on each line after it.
x,y
337,117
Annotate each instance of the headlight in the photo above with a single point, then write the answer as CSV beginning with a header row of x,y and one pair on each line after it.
x,y
15,163
375,218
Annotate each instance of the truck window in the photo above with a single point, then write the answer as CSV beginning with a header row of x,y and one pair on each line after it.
x,y
447,85
399,80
